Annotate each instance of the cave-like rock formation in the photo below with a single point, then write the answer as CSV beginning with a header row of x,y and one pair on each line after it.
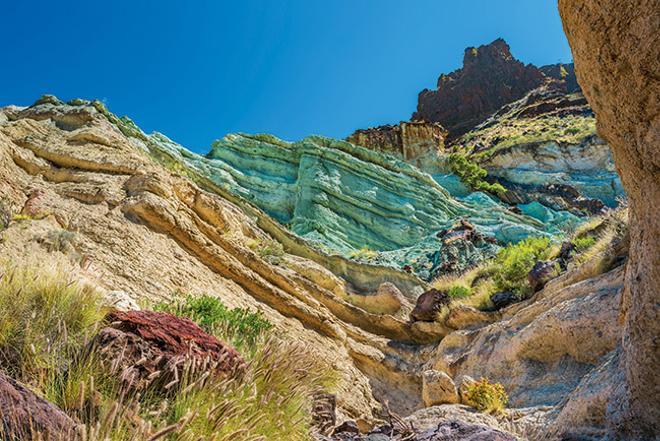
x,y
616,46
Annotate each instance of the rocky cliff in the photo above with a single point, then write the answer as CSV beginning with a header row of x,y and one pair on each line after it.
x,y
417,142
616,48
490,77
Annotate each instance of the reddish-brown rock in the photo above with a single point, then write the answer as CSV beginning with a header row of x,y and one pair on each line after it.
x,y
428,305
24,415
490,77
616,47
141,343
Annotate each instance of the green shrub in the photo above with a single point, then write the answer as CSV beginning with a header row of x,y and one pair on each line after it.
x,y
583,243
244,329
459,291
513,262
472,174
364,253
487,397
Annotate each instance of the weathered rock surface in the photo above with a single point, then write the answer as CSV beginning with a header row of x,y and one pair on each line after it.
x,y
24,415
490,77
616,46
438,388
417,142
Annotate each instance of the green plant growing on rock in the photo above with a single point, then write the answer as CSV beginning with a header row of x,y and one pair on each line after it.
x,y
244,329
472,174
364,253
269,250
513,263
582,244
487,397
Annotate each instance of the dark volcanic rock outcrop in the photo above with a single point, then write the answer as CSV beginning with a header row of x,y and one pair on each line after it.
x,y
490,77
24,415
616,46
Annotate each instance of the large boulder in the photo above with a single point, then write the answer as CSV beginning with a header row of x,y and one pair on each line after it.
x,y
438,388
616,48
542,272
25,415
148,346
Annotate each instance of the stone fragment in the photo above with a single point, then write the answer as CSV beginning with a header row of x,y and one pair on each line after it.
x,y
542,272
438,388
24,415
463,383
349,426
121,300
428,305
503,299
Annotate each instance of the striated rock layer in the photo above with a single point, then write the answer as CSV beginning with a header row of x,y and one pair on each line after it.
x,y
417,142
616,46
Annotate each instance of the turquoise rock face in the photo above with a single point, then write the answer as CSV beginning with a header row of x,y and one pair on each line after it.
x,y
343,198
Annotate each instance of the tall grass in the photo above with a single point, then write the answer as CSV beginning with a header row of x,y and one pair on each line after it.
x,y
47,322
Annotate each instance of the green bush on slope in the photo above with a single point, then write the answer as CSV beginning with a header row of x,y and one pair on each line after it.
x,y
472,174
513,263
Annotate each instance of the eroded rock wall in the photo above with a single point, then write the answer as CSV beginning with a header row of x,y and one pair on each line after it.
x,y
616,46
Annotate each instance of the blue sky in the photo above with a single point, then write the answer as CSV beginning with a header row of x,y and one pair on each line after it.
x,y
196,70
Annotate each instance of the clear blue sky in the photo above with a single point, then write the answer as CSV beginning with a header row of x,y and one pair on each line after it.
x,y
196,70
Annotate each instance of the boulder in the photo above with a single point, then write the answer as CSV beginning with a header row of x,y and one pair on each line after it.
x,y
458,430
121,300
464,382
503,299
438,388
140,344
428,305
542,272
464,316
24,415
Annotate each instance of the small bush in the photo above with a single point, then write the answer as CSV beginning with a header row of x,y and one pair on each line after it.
x,y
514,262
472,174
244,329
364,253
487,397
459,291
583,243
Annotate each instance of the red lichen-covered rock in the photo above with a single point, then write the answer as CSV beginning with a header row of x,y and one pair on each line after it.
x,y
147,346
24,415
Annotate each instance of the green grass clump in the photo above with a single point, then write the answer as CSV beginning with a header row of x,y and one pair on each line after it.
x,y
364,253
513,262
47,321
459,291
43,314
487,397
244,329
472,174
582,244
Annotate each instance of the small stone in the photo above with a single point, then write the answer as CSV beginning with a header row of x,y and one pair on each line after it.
x,y
438,388
348,426
503,299
428,305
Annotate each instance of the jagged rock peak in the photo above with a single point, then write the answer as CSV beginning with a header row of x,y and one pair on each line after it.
x,y
490,78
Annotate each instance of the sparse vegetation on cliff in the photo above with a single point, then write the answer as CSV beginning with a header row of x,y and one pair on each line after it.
x,y
472,175
487,397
